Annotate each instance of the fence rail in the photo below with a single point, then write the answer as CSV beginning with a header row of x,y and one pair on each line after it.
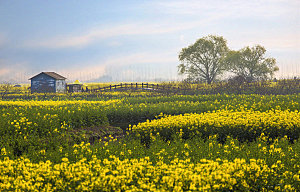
x,y
127,86
143,86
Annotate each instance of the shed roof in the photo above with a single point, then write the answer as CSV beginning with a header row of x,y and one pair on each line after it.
x,y
51,74
77,82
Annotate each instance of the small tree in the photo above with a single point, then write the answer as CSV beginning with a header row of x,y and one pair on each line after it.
x,y
251,64
203,60
5,87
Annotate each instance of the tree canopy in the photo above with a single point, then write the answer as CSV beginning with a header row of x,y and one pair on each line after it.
x,y
251,63
203,60
209,57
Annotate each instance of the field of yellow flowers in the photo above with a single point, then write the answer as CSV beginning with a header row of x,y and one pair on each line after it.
x,y
244,125
172,143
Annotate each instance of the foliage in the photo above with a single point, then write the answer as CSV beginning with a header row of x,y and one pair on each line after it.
x,y
4,89
191,165
209,57
44,142
32,125
243,125
26,126
203,60
251,64
134,110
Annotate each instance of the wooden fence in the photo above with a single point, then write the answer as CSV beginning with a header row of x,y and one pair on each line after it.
x,y
127,86
136,86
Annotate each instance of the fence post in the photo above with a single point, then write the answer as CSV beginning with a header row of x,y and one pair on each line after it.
x,y
142,85
110,87
147,85
136,85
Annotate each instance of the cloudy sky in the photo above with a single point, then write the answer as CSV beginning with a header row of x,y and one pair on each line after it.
x,y
137,40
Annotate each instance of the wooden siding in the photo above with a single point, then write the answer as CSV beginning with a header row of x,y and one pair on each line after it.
x,y
60,86
43,83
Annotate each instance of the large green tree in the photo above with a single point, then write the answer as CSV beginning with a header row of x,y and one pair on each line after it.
x,y
203,60
251,63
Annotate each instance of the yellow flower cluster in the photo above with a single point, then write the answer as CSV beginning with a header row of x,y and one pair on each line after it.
x,y
24,117
33,103
141,175
224,122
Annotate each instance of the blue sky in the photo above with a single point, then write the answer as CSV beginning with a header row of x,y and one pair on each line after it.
x,y
137,40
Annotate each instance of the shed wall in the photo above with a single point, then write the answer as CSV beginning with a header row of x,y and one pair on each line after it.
x,y
43,83
60,86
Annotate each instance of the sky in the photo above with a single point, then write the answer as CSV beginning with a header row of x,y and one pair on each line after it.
x,y
98,41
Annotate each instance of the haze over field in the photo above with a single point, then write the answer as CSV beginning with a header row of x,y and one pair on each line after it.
x,y
137,40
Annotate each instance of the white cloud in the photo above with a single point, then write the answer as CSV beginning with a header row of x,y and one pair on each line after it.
x,y
105,32
83,73
114,44
235,8
275,41
181,38
281,15
13,71
141,58
202,13
184,22
153,65
95,69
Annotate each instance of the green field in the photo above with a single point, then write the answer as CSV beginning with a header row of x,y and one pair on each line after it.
x,y
147,141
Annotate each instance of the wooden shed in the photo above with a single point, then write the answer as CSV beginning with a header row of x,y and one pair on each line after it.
x,y
75,87
48,82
